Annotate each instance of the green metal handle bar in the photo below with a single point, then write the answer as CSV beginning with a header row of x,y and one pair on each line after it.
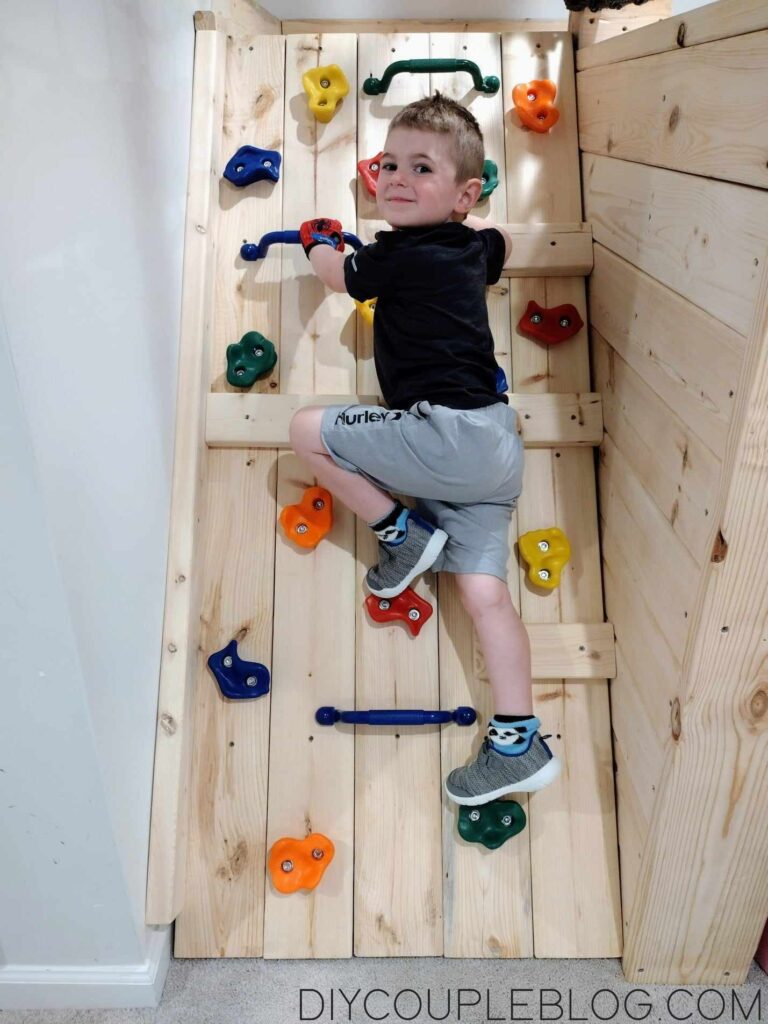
x,y
375,86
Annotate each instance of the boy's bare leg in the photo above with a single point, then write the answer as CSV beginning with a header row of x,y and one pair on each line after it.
x,y
352,489
503,641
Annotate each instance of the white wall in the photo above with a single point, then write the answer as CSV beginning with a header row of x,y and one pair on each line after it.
x,y
95,138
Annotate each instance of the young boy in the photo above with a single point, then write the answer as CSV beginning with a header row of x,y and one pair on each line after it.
x,y
448,439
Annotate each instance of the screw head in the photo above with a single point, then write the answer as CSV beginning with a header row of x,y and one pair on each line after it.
x,y
239,371
318,854
414,614
374,166
318,503
251,681
227,661
258,352
565,321
267,163
506,820
384,605
543,545
474,815
531,96
240,168
302,528
287,866
543,574
325,83
536,318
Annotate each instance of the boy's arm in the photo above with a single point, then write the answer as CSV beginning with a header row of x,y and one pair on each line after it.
x,y
480,224
328,264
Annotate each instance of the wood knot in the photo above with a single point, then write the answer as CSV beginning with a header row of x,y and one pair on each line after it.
x,y
681,34
675,719
719,548
674,117
168,724
758,704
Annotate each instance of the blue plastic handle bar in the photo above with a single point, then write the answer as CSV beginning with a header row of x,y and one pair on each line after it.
x,y
329,716
257,251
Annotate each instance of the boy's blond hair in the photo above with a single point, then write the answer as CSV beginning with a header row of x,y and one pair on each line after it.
x,y
440,114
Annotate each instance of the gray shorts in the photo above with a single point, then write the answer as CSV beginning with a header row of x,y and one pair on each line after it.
x,y
464,467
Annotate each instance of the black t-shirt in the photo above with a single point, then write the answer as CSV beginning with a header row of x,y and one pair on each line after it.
x,y
431,337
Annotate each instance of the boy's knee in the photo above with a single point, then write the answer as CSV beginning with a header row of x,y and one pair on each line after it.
x,y
304,428
480,592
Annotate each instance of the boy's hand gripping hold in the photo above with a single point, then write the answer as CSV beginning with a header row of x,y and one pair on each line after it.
x,y
321,231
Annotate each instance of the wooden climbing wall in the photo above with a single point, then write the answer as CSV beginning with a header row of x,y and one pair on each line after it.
x,y
403,883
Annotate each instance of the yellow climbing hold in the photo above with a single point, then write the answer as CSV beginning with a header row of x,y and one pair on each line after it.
x,y
546,552
366,310
324,88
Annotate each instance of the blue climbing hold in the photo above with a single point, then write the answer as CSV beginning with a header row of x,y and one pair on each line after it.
x,y
501,382
250,164
238,679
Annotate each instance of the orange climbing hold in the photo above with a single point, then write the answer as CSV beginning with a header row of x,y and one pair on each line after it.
x,y
308,522
299,863
535,104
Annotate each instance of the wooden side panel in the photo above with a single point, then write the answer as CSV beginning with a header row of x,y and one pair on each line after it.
x,y
701,110
704,239
311,768
224,904
592,27
183,587
398,867
713,21
572,824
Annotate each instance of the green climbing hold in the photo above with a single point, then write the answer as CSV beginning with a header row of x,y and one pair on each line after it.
x,y
491,824
252,357
490,178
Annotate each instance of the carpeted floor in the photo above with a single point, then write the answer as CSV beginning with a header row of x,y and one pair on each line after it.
x,y
420,990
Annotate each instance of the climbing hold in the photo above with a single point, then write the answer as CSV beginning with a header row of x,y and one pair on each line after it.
x,y
546,552
252,357
395,716
325,87
491,824
369,172
376,86
299,863
501,382
238,679
250,164
490,178
308,522
366,310
550,326
407,607
251,251
535,104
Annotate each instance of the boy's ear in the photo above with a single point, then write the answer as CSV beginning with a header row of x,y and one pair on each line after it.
x,y
469,196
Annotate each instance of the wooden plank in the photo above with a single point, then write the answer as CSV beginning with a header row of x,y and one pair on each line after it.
x,y
591,27
262,421
556,254
701,899
689,359
715,21
572,650
486,900
246,18
665,572
398,866
311,779
677,470
575,886
223,909
632,829
173,744
704,239
388,26
699,110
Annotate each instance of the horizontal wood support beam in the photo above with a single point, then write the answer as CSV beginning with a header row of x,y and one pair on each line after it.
x,y
262,421
572,650
325,26
549,250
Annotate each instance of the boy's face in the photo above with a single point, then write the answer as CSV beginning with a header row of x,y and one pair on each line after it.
x,y
417,184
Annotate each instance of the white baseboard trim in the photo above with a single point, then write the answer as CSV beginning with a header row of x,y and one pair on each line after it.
x,y
115,987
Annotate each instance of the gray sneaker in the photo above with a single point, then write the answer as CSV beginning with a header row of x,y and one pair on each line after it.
x,y
492,775
401,562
